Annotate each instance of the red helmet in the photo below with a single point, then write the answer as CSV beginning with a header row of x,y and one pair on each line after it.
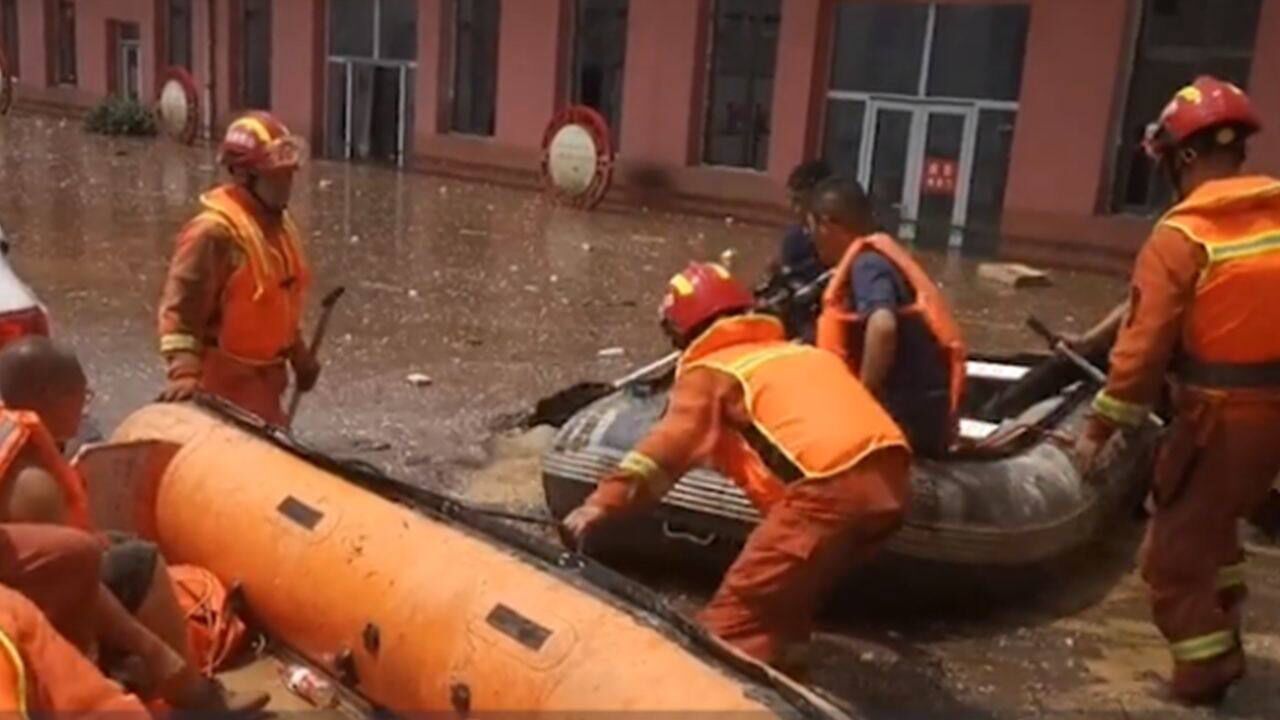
x,y
699,293
1205,104
257,141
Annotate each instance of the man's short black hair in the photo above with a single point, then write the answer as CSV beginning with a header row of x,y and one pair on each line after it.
x,y
806,176
844,202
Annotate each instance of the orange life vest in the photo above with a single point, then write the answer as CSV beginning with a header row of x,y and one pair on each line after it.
x,y
811,418
215,631
837,323
1231,326
20,429
263,301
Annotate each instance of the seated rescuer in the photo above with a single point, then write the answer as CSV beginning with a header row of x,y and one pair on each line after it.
x,y
44,543
44,675
797,264
237,284
795,429
887,319
1202,316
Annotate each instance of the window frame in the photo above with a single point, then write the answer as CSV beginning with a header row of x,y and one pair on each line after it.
x,y
456,47
12,37
750,139
62,51
1119,170
574,84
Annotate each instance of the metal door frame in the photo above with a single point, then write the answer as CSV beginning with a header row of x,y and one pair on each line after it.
x,y
917,140
402,120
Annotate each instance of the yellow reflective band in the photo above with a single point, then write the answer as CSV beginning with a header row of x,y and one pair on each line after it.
x,y
745,364
1257,245
1118,411
255,126
178,342
681,285
1191,94
15,657
720,270
1231,576
1204,647
640,466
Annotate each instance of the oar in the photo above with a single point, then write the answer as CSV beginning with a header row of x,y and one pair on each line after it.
x,y
322,327
1092,371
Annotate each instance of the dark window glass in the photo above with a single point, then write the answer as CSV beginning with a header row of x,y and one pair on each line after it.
x,y
180,33
255,75
398,29
745,50
600,52
9,41
879,47
990,176
130,60
1179,40
66,42
336,128
475,76
978,51
351,27
844,135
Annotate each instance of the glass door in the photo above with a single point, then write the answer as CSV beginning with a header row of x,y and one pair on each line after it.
x,y
886,163
943,178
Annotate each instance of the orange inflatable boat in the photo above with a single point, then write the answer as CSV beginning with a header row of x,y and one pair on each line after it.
x,y
412,602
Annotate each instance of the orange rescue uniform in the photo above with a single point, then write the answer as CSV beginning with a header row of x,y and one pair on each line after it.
x,y
233,301
1205,289
810,447
41,673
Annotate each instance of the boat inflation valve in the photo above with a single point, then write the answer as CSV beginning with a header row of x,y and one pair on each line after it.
x,y
372,638
460,697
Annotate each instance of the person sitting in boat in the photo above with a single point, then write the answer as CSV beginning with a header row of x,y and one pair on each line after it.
x,y
887,319
43,675
1202,301
44,521
233,298
811,448
797,264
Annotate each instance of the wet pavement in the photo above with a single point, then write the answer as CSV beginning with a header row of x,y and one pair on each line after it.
x,y
499,298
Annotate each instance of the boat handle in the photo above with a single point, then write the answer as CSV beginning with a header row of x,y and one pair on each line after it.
x,y
670,531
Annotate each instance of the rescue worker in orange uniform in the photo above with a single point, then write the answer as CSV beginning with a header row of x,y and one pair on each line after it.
x,y
233,299
887,319
112,593
42,674
811,448
1201,312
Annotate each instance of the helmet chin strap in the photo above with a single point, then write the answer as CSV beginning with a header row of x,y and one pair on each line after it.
x,y
252,187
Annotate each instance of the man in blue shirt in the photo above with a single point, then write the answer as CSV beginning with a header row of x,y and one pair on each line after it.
x,y
893,342
797,264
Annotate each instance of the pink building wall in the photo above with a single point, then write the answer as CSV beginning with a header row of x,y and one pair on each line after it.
x,y
298,66
93,43
530,75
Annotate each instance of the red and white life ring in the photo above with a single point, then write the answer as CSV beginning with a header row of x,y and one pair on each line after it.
x,y
577,157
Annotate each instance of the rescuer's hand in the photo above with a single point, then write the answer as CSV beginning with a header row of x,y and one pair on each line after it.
x,y
1096,446
180,389
579,523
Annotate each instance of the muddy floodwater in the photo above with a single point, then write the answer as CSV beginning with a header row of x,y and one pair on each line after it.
x,y
492,298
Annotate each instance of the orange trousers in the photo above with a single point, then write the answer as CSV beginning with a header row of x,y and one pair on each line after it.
x,y
58,569
807,541
1216,466
256,388
58,679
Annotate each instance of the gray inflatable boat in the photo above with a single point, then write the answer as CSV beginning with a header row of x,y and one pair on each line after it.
x,y
1009,497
